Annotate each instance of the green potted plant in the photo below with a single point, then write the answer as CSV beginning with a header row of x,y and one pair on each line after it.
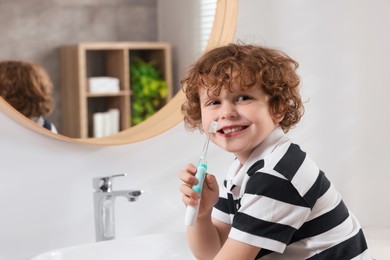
x,y
149,90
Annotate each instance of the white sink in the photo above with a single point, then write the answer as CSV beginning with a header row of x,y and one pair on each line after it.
x,y
378,240
168,246
157,246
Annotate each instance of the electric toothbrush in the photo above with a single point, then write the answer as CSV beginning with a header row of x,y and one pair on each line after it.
x,y
192,211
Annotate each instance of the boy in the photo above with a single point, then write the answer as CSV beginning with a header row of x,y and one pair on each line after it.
x,y
275,202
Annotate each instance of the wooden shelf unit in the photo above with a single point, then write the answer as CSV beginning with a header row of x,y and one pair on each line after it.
x,y
113,59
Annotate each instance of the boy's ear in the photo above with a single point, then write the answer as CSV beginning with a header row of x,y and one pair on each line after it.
x,y
278,113
277,118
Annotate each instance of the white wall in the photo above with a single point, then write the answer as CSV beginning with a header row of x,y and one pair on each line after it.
x,y
343,51
46,187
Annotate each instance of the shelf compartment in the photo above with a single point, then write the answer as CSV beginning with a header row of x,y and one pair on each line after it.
x,y
103,59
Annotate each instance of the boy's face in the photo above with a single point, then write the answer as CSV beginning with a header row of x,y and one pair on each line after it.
x,y
243,116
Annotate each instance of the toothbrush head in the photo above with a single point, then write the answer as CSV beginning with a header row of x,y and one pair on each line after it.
x,y
213,127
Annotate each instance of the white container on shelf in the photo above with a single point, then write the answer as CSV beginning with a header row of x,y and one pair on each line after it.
x,y
103,84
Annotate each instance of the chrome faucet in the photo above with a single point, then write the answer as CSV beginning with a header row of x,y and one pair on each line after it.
x,y
104,200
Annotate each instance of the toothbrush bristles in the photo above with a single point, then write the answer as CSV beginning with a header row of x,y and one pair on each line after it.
x,y
213,127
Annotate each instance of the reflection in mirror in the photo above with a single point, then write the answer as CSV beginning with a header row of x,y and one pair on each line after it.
x,y
187,31
28,88
45,28
153,22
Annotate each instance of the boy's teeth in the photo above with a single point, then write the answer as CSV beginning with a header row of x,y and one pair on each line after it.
x,y
231,130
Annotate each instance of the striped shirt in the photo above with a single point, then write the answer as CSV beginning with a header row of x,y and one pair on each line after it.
x,y
281,202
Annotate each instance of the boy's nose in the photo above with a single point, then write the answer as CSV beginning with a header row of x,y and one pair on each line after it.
x,y
228,111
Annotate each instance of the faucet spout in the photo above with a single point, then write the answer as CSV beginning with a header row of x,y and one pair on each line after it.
x,y
130,195
133,195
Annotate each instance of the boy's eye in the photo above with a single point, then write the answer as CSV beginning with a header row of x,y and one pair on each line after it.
x,y
243,98
213,103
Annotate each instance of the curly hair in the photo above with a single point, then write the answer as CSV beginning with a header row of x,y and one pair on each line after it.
x,y
250,66
27,87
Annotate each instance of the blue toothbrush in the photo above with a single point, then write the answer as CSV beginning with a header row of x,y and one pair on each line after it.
x,y
192,211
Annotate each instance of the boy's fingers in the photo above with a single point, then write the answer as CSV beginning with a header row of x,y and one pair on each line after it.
x,y
187,178
191,168
189,197
189,192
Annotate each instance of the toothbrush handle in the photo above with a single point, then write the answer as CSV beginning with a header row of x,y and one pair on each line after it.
x,y
192,211
200,175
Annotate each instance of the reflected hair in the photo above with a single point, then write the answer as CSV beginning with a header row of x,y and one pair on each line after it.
x,y
251,66
27,87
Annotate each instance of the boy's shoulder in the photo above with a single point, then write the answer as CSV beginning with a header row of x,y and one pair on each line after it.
x,y
289,168
287,159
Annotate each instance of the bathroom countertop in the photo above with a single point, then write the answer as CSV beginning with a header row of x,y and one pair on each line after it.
x,y
378,240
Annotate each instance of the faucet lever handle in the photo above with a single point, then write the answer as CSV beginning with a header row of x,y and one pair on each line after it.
x,y
104,184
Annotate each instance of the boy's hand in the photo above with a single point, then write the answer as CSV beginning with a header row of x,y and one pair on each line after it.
x,y
210,190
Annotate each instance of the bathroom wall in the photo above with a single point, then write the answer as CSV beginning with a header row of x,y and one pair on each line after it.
x,y
343,51
34,30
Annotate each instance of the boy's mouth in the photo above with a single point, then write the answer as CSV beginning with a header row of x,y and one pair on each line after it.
x,y
232,129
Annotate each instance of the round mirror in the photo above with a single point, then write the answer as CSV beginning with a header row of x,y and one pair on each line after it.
x,y
222,32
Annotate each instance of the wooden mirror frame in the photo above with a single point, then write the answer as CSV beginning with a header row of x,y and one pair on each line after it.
x,y
223,31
